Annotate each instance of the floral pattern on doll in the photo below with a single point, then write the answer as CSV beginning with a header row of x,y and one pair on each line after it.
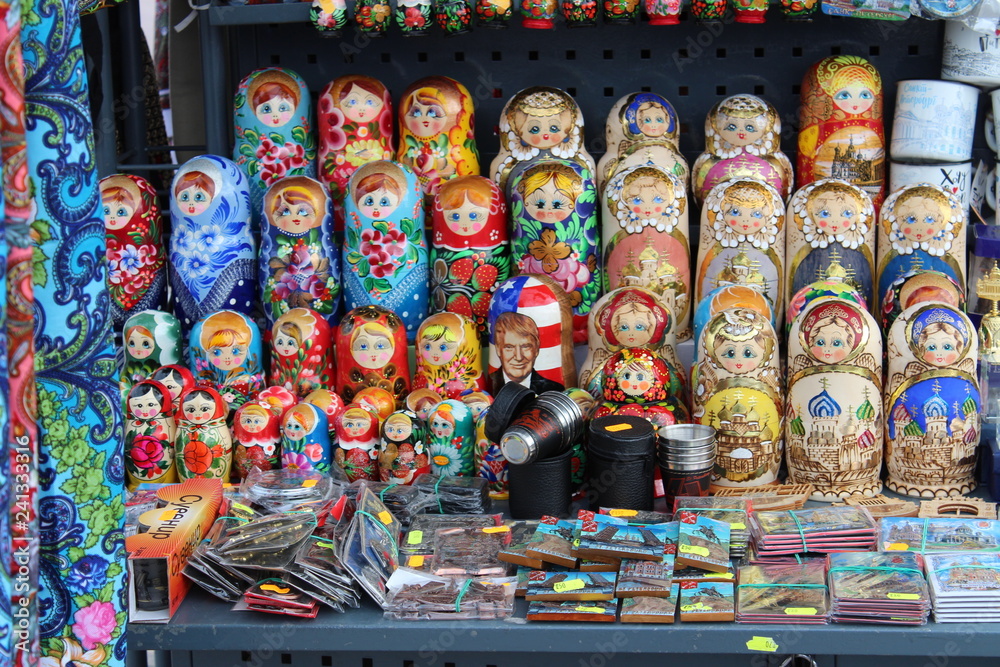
x,y
448,355
744,211
743,124
358,437
636,375
644,198
833,215
922,217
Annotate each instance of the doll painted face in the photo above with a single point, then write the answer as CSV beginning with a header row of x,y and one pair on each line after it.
x,y
360,106
372,349
252,422
745,215
633,325
919,219
275,110
356,423
426,118
652,119
830,343
833,213
741,131
740,357
293,429
647,197
438,344
440,426
145,406
467,219
940,345
229,356
295,215
854,99
198,408
549,203
544,132
173,382
117,214
397,428
378,203
140,343
285,343
194,199
636,378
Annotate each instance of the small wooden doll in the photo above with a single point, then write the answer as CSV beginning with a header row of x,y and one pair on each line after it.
x,y
833,425
357,443
921,227
225,353
328,16
932,402
371,352
738,390
645,223
299,264
422,401
403,451
742,140
437,137
149,435
840,125
332,404
305,439
452,439
151,339
743,240
449,356
355,124
539,122
204,444
137,270
553,205
642,128
385,254
470,250
638,382
531,335
213,255
489,461
628,317
176,378
730,296
301,352
278,399
379,400
919,286
257,438
274,131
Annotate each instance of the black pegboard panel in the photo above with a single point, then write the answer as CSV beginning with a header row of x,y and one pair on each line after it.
x,y
693,65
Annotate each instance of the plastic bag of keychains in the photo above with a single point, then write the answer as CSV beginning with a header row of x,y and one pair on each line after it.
x,y
470,551
417,596
370,551
270,542
405,502
318,571
456,495
286,489
204,567
420,538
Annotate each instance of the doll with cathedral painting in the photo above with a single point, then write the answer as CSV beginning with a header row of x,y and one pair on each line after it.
x,y
932,402
225,353
645,225
301,352
449,356
371,352
834,429
642,128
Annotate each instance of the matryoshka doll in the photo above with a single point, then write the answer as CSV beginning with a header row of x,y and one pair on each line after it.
x,y
645,222
730,296
357,442
274,130
149,435
176,378
355,125
151,339
213,255
932,402
203,444
301,352
742,140
299,264
642,128
332,404
833,424
840,125
422,401
489,461
437,137
225,353
743,240
449,355
531,336
553,206
470,250
919,286
385,253
305,439
834,284
539,122
402,453
638,382
738,390
452,439
378,399
830,223
279,399
371,352
921,227
628,317
137,272
257,438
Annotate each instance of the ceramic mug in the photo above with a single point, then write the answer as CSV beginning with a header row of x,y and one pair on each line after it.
x,y
955,178
991,188
970,56
934,121
990,128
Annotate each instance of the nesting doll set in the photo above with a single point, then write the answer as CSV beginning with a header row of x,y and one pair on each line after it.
x,y
305,439
358,442
919,286
176,378
385,253
371,352
203,443
449,356
225,352
452,438
149,435
834,430
301,352
403,448
638,382
489,462
151,339
332,404
137,270
257,438
731,296
213,255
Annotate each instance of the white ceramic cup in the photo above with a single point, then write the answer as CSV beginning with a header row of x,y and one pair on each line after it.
x,y
954,178
934,121
970,56
990,129
991,188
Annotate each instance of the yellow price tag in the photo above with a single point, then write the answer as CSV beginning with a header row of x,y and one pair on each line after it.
x,y
722,575
762,644
497,529
415,561
614,428
739,525
240,507
623,512
576,542
596,610
441,460
415,537
898,546
902,596
168,515
801,611
568,585
385,517
697,606
309,483
692,549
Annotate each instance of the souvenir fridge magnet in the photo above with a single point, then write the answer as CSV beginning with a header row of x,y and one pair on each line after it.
x,y
531,335
437,131
553,209
402,452
203,443
150,339
137,274
358,443
299,264
301,352
833,424
645,224
385,254
840,125
274,130
642,128
742,140
149,435
213,255
830,222
932,402
452,439
305,439
470,252
449,356
371,352
257,438
225,353
743,240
